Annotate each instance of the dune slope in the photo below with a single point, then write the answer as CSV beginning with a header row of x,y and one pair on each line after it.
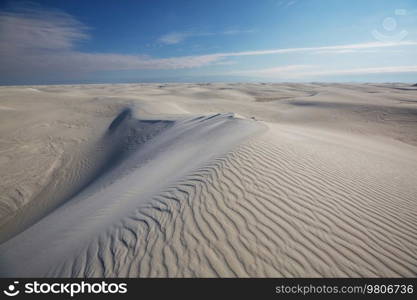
x,y
138,158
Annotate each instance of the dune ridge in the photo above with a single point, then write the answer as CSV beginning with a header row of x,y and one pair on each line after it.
x,y
131,174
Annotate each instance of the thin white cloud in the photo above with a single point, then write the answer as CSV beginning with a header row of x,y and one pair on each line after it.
x,y
173,38
30,29
286,3
358,51
343,51
371,46
237,31
291,3
177,37
308,71
324,48
357,71
276,72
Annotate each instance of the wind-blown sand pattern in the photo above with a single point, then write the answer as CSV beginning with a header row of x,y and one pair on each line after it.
x,y
164,181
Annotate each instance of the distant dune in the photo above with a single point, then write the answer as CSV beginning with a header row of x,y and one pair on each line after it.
x,y
208,180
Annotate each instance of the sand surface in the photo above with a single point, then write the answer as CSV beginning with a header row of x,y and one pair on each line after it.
x,y
208,180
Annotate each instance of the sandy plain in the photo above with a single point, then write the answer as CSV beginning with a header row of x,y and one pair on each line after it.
x,y
208,180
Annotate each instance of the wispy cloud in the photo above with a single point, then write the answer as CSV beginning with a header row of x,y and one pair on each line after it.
x,y
344,51
291,3
177,37
287,72
358,51
30,29
370,45
275,72
354,71
237,31
309,71
282,3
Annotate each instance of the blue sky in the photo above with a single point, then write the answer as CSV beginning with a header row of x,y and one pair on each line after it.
x,y
44,42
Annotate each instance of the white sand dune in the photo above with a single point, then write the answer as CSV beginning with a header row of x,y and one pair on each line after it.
x,y
161,180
